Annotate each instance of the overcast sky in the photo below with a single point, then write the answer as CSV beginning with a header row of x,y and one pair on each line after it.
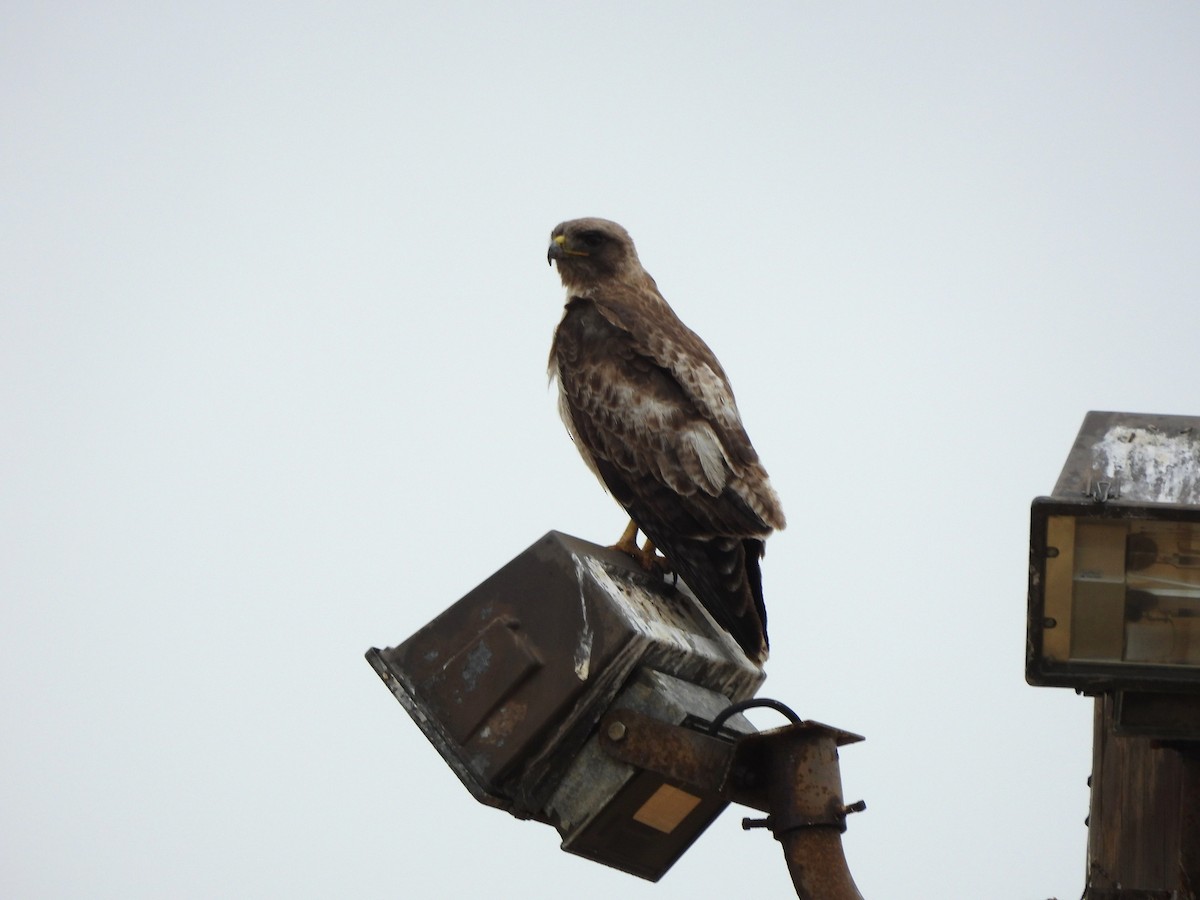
x,y
275,316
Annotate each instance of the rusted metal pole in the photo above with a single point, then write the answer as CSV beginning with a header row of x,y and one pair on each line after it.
x,y
1144,819
803,785
1189,822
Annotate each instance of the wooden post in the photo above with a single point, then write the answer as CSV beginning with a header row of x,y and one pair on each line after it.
x,y
1144,825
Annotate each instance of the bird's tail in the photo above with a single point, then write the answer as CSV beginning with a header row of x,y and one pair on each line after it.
x,y
725,575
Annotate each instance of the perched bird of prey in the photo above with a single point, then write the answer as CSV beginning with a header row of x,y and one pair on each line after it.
x,y
653,415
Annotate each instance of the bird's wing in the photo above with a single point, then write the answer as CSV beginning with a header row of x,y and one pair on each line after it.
x,y
659,334
647,401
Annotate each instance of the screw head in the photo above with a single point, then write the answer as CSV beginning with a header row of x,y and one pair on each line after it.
x,y
616,731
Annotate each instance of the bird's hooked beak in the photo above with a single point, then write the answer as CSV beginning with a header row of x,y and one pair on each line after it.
x,y
558,249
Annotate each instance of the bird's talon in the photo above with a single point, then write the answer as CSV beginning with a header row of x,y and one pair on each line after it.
x,y
653,561
627,542
646,556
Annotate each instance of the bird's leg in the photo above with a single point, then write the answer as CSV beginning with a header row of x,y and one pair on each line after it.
x,y
647,557
627,542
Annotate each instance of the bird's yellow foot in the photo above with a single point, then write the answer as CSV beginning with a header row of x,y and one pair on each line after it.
x,y
627,542
647,557
652,560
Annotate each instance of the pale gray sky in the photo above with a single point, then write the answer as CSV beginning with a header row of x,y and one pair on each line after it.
x,y
275,314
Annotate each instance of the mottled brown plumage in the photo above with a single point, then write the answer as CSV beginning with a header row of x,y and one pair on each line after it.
x,y
652,413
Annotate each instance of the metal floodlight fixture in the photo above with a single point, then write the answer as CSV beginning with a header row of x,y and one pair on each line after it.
x,y
1114,561
510,684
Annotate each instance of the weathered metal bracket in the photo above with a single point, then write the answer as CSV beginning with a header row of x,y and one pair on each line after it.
x,y
678,752
814,793
791,773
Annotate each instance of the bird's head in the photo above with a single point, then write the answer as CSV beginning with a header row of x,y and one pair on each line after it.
x,y
589,251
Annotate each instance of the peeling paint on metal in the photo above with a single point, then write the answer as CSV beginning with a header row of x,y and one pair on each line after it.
x,y
662,622
1151,466
478,661
504,722
583,650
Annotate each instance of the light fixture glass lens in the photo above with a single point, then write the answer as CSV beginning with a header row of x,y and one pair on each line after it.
x,y
1123,591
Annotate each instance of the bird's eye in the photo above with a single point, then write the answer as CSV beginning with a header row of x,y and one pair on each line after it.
x,y
591,238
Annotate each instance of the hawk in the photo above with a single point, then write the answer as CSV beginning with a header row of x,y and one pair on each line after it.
x,y
652,413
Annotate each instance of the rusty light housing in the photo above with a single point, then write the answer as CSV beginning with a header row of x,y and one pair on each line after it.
x,y
510,684
1114,560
